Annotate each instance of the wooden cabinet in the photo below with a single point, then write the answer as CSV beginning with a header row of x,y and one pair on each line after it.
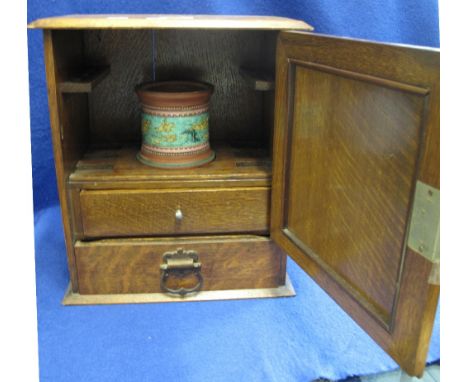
x,y
327,151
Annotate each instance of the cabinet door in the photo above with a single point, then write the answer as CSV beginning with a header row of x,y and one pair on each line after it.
x,y
356,138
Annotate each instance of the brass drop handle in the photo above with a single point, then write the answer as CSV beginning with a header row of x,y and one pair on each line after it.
x,y
179,215
181,264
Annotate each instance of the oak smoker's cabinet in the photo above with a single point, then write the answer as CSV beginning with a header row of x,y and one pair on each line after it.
x,y
352,130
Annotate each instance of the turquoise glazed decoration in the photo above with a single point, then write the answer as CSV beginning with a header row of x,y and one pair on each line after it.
x,y
174,124
174,132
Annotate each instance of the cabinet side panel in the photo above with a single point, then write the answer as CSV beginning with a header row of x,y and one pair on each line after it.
x,y
68,121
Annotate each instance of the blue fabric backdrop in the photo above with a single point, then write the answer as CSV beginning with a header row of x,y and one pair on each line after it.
x,y
294,339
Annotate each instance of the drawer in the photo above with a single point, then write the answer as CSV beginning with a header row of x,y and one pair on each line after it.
x,y
115,266
123,213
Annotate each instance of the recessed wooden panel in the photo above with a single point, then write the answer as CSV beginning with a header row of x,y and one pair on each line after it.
x,y
110,213
353,152
356,125
133,266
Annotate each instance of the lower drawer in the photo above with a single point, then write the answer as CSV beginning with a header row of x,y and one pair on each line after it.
x,y
117,266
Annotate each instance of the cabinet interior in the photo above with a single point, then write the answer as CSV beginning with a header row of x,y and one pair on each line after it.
x,y
97,71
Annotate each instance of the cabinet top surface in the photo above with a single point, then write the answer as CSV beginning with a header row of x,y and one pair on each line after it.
x,y
151,21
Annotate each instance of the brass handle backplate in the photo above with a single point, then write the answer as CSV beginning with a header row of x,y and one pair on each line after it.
x,y
181,265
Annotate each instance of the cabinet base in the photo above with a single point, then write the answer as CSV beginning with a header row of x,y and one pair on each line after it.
x,y
71,298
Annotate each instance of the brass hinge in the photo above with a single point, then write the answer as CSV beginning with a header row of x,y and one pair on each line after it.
x,y
424,232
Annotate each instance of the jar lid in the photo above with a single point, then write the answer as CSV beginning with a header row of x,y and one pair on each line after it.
x,y
174,93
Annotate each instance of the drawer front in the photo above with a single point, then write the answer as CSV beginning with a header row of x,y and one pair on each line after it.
x,y
117,266
110,213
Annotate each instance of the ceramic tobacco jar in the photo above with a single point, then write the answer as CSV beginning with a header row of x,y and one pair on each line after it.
x,y
174,124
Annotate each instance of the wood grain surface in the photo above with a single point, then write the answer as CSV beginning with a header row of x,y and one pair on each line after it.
x,y
353,121
154,21
133,266
68,120
354,149
110,213
119,168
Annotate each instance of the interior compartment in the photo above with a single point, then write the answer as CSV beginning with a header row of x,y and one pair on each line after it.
x,y
97,85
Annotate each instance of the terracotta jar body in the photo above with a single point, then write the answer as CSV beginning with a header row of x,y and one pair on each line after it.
x,y
174,123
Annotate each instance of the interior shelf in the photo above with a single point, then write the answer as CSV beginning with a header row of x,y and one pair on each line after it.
x,y
117,168
258,79
84,81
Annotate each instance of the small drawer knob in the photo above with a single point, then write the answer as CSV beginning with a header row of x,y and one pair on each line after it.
x,y
179,215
